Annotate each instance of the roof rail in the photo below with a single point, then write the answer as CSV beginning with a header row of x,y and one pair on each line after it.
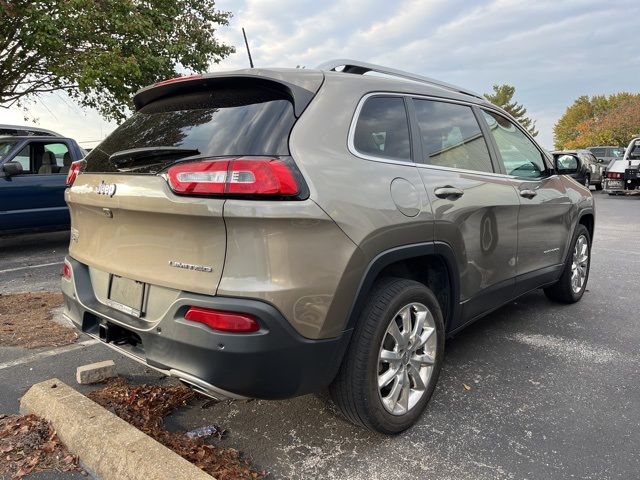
x,y
360,68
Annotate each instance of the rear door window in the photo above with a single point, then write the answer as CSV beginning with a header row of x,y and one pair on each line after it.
x,y
451,136
599,152
519,154
382,129
223,122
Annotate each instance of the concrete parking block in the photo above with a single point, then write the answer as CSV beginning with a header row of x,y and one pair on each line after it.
x,y
96,372
108,447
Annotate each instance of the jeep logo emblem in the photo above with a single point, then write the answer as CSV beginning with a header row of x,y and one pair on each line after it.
x,y
108,189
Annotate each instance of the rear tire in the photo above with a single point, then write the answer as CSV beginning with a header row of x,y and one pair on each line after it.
x,y
573,281
599,186
398,343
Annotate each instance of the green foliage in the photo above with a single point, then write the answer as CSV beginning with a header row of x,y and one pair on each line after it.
x,y
599,120
102,51
502,96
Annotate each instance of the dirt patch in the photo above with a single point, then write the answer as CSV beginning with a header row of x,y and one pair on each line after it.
x,y
26,321
145,406
28,444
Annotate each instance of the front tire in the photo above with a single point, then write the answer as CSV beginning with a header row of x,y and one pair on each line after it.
x,y
394,359
573,281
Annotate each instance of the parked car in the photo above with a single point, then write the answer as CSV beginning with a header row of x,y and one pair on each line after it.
x,y
590,170
270,233
607,153
25,130
622,174
33,170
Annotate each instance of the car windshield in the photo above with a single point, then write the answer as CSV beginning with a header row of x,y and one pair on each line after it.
x,y
617,152
5,147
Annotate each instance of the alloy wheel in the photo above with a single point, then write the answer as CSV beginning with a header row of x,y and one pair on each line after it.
x,y
580,264
406,358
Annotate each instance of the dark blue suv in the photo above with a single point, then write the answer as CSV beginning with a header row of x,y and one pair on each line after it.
x,y
33,171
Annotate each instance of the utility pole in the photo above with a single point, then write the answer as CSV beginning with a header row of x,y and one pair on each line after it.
x,y
247,44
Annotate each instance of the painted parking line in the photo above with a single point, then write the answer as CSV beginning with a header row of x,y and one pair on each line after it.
x,y
30,266
48,353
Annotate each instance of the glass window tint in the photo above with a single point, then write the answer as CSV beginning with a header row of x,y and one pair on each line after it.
x,y
615,152
5,148
231,121
382,129
599,152
451,136
519,155
24,158
58,150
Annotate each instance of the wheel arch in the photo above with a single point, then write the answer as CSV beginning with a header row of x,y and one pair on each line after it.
x,y
431,263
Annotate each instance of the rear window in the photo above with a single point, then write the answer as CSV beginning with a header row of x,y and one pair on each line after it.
x,y
228,122
382,129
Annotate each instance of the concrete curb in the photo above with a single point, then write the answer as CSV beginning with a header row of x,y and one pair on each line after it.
x,y
108,447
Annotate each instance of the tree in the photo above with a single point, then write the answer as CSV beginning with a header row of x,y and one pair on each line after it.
x,y
598,120
502,96
100,52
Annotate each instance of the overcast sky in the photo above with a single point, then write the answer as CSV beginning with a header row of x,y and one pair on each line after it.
x,y
551,51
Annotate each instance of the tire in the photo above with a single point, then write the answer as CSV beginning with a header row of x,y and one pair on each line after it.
x,y
587,182
599,186
355,389
563,291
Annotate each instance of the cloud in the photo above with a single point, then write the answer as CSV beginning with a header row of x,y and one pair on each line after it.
x,y
551,51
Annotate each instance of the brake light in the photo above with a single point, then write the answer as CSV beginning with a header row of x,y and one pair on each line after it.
x,y
614,175
74,171
238,176
223,321
66,270
184,78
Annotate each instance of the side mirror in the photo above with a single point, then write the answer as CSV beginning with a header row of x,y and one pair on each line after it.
x,y
567,164
11,169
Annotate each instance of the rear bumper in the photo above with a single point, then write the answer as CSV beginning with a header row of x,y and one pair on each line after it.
x,y
275,362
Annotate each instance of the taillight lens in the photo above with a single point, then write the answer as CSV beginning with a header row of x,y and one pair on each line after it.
x,y
238,176
614,175
66,270
223,321
74,171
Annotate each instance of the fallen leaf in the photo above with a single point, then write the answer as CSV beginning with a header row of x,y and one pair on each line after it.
x,y
466,387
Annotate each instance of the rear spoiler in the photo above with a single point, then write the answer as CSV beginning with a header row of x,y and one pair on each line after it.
x,y
299,85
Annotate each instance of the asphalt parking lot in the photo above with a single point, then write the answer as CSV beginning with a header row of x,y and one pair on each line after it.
x,y
555,390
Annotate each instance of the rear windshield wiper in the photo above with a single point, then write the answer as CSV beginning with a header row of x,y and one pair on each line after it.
x,y
140,157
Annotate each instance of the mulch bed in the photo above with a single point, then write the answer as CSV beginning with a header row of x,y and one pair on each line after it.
x,y
28,444
26,321
145,406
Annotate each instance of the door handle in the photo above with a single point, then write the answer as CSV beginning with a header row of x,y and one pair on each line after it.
x,y
528,193
448,192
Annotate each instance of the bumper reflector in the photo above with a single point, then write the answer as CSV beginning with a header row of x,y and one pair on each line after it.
x,y
223,321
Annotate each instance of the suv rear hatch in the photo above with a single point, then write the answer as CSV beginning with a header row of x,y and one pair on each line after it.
x,y
132,221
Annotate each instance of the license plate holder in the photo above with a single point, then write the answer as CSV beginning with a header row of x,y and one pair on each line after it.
x,y
615,184
126,295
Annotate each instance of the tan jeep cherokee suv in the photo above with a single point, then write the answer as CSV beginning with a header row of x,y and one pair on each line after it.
x,y
268,233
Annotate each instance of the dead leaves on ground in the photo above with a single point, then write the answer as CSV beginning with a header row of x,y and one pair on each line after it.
x,y
29,444
145,406
26,321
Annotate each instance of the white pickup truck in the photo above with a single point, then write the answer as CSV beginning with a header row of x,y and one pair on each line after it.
x,y
623,175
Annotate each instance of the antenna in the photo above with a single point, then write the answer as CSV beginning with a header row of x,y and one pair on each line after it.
x,y
247,44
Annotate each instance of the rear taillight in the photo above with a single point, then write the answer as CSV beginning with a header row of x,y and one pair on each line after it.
x,y
614,175
234,177
66,270
74,171
223,321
